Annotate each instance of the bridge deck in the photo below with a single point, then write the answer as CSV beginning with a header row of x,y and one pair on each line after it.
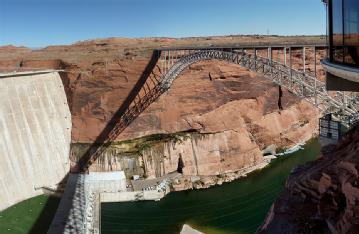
x,y
243,46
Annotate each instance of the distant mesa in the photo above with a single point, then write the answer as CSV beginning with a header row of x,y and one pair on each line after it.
x,y
11,48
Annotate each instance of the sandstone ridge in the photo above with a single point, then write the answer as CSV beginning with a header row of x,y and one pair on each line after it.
x,y
229,114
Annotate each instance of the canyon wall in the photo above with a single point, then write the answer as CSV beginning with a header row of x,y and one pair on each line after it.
x,y
228,113
217,125
202,154
321,196
35,135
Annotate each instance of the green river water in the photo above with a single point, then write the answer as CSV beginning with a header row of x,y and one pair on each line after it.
x,y
236,207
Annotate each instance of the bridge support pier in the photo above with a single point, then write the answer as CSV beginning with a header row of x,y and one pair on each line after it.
x,y
169,59
255,59
290,68
164,63
270,52
315,76
304,59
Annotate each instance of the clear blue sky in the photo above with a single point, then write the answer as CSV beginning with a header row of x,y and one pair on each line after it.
x,y
38,23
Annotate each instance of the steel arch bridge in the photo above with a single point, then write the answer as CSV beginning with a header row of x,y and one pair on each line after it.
x,y
168,63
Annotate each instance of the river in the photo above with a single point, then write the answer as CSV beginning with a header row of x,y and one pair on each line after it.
x,y
236,207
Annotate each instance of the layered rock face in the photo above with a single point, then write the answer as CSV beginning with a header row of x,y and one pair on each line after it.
x,y
228,114
227,119
321,196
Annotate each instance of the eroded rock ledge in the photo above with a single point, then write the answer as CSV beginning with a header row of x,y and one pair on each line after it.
x,y
227,122
231,112
321,196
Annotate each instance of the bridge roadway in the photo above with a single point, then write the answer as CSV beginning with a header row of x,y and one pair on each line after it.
x,y
166,64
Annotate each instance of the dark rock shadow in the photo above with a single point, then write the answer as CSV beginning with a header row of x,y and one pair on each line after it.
x,y
106,135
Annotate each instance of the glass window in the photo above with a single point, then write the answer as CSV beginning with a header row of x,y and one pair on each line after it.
x,y
338,55
345,29
337,22
351,32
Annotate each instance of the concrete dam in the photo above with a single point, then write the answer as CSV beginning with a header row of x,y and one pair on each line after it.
x,y
35,132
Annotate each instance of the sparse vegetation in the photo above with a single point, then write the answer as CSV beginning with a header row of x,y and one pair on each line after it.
x,y
143,147
138,145
280,150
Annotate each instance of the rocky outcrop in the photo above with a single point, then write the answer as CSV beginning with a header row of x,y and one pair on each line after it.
x,y
231,113
227,122
321,196
234,117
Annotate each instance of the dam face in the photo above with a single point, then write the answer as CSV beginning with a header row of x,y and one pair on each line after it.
x,y
35,135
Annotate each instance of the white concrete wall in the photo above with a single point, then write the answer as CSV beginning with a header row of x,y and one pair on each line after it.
x,y
35,135
100,182
150,195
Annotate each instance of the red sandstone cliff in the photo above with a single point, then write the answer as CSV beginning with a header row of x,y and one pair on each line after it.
x,y
321,196
236,112
236,115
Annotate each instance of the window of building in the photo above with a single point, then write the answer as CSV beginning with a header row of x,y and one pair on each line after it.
x,y
345,31
351,32
338,42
